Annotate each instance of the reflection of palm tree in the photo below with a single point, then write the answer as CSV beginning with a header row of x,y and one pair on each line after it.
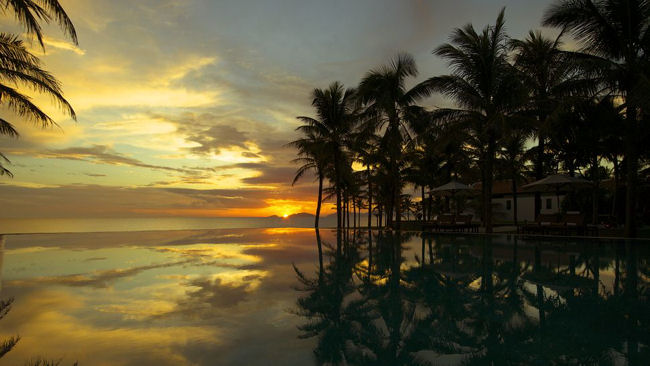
x,y
7,344
2,256
397,333
472,302
334,315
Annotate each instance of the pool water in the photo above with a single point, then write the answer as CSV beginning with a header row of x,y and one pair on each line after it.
x,y
298,297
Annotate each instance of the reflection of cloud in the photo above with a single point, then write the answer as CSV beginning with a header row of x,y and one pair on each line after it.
x,y
98,279
214,294
205,252
44,320
187,315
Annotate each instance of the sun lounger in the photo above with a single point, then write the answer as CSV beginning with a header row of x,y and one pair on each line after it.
x,y
543,224
464,222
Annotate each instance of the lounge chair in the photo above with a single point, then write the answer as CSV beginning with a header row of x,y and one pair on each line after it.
x,y
574,221
445,222
542,224
462,222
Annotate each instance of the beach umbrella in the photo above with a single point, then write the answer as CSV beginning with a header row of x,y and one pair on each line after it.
x,y
452,188
554,183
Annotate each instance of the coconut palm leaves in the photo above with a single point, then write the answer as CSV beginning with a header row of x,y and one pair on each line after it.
x,y
328,135
310,156
615,40
390,106
486,90
31,13
20,69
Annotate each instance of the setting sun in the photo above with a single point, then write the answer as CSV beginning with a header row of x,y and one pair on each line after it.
x,y
285,216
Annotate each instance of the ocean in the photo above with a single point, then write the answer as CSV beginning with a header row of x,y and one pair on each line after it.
x,y
78,225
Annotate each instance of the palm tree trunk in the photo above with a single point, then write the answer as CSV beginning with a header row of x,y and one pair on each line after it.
x,y
489,176
339,211
337,182
596,187
424,210
320,199
369,198
539,168
615,195
514,199
632,171
398,213
347,211
430,210
354,213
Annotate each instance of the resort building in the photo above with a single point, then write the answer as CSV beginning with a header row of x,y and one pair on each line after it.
x,y
503,202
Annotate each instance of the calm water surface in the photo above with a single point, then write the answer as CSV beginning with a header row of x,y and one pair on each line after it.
x,y
80,225
249,296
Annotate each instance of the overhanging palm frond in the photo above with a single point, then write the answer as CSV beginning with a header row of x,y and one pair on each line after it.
x,y
20,68
30,13
22,105
7,128
4,171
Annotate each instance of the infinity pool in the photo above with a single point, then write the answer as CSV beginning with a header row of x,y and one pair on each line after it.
x,y
292,297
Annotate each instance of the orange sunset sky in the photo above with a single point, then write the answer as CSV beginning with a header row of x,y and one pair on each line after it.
x,y
185,106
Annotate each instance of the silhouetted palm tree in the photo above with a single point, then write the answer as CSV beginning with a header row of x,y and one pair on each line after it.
x,y
486,90
615,40
512,154
335,119
390,106
550,77
312,156
20,69
3,170
31,13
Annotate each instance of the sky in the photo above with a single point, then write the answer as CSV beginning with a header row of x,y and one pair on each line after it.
x,y
185,107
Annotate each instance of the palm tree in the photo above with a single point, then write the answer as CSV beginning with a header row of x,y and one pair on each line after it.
x,y
310,155
551,76
19,68
512,153
390,106
485,88
30,13
335,119
615,40
3,170
365,148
